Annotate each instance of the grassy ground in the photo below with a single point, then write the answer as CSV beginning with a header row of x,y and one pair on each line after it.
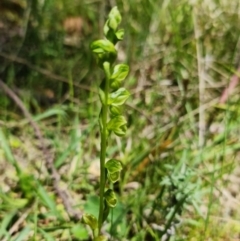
x,y
181,153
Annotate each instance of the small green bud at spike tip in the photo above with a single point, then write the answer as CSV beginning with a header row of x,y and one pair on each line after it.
x,y
114,19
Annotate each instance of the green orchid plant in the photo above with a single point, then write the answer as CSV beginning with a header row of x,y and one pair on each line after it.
x,y
111,120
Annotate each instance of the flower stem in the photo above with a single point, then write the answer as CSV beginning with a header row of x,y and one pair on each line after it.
x,y
104,136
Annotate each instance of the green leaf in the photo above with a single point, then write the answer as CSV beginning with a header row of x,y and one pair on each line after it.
x,y
90,220
56,111
118,125
79,232
6,221
92,205
120,72
48,201
110,198
114,18
118,97
113,165
23,234
12,202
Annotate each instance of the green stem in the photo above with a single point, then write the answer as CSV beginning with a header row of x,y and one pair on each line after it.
x,y
104,136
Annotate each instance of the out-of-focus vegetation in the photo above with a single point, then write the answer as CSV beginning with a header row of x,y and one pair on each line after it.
x,y
181,154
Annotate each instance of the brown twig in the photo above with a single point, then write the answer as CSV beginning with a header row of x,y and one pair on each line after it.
x,y
73,214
